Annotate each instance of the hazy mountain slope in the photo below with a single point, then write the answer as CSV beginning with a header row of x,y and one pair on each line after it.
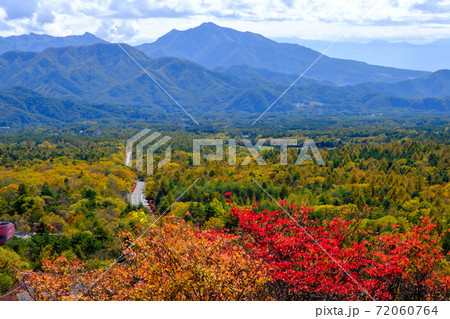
x,y
37,42
431,56
213,46
245,71
436,84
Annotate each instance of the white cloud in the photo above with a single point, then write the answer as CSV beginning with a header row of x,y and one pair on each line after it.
x,y
140,20
19,9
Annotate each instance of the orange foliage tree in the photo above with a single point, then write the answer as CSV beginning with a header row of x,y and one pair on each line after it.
x,y
171,262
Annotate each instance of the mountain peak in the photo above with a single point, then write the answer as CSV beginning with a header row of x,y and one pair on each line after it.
x,y
204,37
215,46
210,29
208,25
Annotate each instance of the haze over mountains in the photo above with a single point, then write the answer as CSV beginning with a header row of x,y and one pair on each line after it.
x,y
436,84
100,81
430,56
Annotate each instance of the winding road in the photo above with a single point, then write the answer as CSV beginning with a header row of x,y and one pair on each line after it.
x,y
137,197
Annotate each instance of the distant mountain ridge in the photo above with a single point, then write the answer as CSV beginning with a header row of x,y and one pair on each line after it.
x,y
431,56
214,46
437,84
37,42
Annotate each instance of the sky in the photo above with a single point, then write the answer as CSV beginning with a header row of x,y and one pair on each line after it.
x,y
139,21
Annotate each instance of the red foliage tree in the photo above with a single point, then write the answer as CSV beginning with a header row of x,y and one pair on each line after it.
x,y
336,260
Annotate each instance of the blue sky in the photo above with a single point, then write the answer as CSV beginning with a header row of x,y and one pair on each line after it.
x,y
137,21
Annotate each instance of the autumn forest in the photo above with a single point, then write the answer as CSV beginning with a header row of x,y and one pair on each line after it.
x,y
371,224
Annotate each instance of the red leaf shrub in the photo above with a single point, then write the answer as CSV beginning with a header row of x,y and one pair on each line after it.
x,y
336,260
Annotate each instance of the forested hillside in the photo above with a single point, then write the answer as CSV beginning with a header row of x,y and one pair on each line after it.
x,y
101,82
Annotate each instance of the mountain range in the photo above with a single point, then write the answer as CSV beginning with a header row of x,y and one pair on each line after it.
x,y
214,46
37,42
222,49
430,56
104,74
437,84
101,81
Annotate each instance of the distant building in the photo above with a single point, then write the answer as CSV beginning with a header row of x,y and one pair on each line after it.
x,y
7,230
